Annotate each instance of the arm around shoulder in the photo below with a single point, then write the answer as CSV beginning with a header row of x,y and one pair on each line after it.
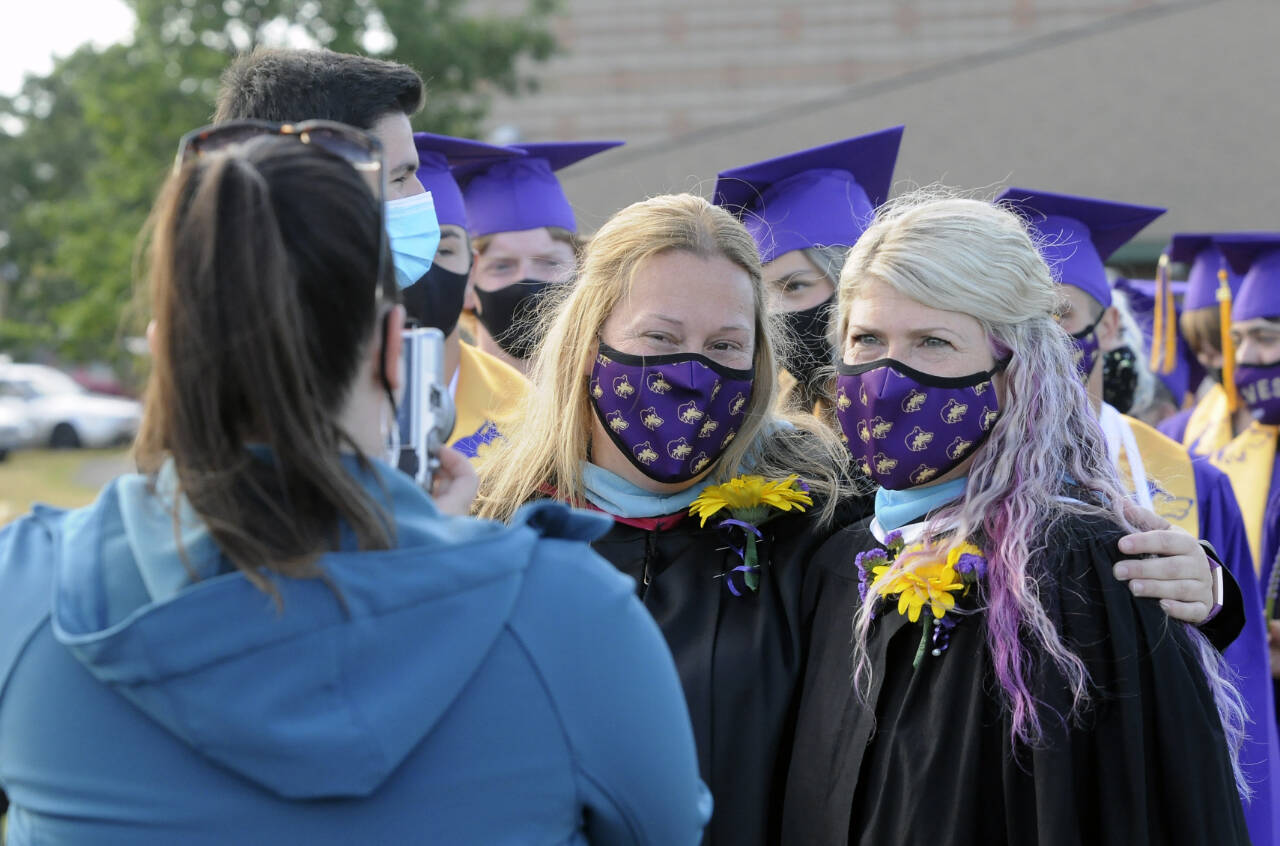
x,y
615,687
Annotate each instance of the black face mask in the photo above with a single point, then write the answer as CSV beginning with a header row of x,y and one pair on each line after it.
x,y
809,347
435,300
509,315
1119,378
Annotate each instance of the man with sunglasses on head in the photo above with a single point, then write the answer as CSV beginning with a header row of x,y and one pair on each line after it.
x,y
379,96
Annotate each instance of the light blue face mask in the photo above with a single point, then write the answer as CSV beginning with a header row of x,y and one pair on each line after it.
x,y
414,233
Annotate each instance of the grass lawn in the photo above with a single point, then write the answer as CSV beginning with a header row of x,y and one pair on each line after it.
x,y
66,478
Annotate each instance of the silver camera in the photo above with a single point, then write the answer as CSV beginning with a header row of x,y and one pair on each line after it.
x,y
426,414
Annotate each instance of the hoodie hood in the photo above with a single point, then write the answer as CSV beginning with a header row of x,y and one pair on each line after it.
x,y
326,695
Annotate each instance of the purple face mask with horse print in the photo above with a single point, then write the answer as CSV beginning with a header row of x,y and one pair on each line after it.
x,y
906,428
672,416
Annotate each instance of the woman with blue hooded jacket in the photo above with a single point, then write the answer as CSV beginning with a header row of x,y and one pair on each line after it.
x,y
266,636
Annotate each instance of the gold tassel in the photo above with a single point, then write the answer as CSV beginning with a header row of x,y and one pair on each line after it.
x,y
1170,328
1228,347
1157,328
1164,329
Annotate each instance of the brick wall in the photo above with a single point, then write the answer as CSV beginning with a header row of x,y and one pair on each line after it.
x,y
648,71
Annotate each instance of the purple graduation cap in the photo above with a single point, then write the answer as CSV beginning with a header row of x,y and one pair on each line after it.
x,y
1256,256
1078,234
437,154
823,196
1200,252
1141,296
523,193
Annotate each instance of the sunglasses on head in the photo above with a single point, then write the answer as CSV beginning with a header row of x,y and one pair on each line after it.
x,y
358,148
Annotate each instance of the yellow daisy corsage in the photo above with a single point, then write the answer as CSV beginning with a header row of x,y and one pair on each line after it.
x,y
751,496
750,502
925,583
931,584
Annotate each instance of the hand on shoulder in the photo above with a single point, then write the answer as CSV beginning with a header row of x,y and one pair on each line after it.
x,y
1168,564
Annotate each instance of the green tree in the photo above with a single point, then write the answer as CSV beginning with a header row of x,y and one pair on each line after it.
x,y
42,165
84,150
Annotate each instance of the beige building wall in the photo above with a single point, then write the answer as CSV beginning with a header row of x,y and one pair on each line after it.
x,y
1168,103
656,69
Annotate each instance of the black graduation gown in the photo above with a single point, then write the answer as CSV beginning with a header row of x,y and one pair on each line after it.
x,y
929,759
739,657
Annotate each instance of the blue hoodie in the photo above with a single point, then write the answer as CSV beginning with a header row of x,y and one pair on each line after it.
x,y
483,684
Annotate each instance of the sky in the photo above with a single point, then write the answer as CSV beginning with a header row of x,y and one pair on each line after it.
x,y
34,31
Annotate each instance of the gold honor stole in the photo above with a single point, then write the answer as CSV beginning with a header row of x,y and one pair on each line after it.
x,y
1168,468
1247,460
489,395
1209,427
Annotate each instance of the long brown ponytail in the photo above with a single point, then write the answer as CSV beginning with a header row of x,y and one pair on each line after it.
x,y
262,277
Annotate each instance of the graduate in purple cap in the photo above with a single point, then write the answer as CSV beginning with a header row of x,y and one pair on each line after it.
x,y
804,211
1076,236
1205,309
1251,457
1252,350
1253,374
487,392
524,237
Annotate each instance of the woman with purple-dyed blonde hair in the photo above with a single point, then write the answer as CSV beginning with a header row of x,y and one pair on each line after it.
x,y
1002,685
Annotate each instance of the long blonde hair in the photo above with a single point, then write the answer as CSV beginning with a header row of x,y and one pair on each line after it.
x,y
976,258
545,453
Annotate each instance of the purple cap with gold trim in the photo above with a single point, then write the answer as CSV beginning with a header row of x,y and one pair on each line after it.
x,y
523,193
1078,234
823,196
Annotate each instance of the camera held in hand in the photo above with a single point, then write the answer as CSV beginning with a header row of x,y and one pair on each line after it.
x,y
426,414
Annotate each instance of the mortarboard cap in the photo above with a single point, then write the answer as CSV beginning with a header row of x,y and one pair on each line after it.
x,y
1078,234
523,193
823,196
1205,259
437,154
1256,257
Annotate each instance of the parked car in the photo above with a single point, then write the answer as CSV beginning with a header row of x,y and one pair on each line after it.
x,y
98,378
63,414
16,430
